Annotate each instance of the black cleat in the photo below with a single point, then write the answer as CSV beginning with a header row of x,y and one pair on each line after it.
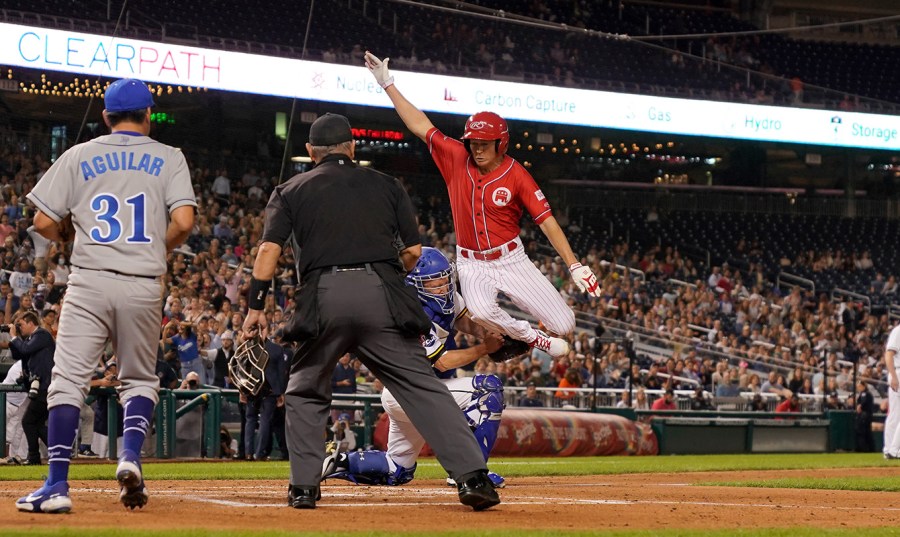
x,y
477,491
303,497
134,497
133,493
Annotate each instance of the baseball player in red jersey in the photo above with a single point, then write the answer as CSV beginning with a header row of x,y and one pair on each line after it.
x,y
488,192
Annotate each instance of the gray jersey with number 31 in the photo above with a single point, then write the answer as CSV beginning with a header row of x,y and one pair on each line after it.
x,y
120,189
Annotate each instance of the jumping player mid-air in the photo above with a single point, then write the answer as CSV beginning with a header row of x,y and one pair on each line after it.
x,y
488,192
130,200
479,397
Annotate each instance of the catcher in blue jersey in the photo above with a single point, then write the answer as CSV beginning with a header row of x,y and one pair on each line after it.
x,y
480,397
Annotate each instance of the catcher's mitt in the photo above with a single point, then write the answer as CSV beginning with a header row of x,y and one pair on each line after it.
x,y
247,366
510,349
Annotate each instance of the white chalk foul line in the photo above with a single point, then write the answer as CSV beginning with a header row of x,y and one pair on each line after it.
x,y
357,491
543,501
232,503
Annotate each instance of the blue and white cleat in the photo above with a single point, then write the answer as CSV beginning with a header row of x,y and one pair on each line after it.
x,y
128,474
47,499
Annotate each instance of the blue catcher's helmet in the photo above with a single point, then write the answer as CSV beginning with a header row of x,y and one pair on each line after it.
x,y
432,266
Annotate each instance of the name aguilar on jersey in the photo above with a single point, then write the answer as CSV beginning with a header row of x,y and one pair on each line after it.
x,y
121,160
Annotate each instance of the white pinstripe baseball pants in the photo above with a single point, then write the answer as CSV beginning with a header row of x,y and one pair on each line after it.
x,y
517,277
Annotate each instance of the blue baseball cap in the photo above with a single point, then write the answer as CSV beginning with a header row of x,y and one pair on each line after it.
x,y
127,94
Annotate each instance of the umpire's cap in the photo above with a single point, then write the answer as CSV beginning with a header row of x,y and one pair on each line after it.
x,y
127,94
330,129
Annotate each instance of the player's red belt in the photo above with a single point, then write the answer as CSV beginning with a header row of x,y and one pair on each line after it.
x,y
496,253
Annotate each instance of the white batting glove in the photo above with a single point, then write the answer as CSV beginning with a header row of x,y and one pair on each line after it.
x,y
379,69
585,279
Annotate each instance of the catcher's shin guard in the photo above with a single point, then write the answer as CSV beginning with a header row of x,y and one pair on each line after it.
x,y
488,399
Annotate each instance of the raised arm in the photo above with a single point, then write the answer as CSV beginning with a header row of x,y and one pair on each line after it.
x,y
414,119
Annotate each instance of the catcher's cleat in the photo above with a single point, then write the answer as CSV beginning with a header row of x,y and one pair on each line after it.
x,y
497,479
330,464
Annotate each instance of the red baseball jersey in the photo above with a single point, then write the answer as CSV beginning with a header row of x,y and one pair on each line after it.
x,y
486,208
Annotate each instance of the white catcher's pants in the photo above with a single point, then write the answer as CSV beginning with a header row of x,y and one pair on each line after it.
x,y
404,441
516,276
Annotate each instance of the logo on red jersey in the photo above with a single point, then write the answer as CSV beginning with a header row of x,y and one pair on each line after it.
x,y
539,195
501,196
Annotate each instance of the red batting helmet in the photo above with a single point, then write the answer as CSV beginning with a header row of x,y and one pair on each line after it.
x,y
488,126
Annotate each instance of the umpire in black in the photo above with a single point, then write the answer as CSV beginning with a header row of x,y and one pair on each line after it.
x,y
347,222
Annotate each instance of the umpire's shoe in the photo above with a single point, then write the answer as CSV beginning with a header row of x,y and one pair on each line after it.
x,y
477,491
303,497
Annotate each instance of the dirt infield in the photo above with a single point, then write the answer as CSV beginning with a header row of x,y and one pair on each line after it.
x,y
586,502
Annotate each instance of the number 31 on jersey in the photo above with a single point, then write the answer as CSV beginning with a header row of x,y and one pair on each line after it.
x,y
108,215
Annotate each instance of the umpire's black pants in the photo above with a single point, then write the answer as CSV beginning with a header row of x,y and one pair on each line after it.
x,y
34,423
354,317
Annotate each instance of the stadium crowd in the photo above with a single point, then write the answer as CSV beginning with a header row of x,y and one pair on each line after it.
x,y
720,329
741,313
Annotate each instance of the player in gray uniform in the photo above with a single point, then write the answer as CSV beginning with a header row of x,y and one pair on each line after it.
x,y
130,200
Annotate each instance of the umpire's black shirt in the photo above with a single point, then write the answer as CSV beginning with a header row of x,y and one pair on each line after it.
x,y
341,215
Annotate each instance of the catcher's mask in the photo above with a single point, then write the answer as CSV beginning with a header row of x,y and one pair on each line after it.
x,y
425,276
247,366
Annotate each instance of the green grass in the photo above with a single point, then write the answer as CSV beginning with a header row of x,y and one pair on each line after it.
x,y
511,467
767,532
870,484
